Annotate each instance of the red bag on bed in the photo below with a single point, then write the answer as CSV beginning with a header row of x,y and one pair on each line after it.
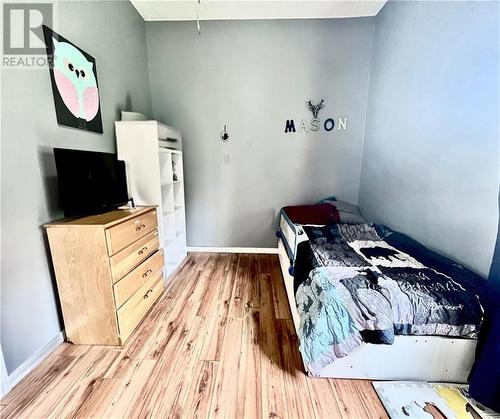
x,y
320,214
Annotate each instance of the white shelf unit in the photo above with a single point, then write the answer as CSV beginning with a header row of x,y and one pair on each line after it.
x,y
155,176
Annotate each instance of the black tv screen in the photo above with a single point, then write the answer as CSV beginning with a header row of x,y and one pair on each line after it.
x,y
90,182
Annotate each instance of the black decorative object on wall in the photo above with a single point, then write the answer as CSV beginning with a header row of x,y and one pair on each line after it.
x,y
73,75
315,108
224,136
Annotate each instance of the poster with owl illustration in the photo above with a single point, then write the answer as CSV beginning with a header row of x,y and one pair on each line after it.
x,y
73,75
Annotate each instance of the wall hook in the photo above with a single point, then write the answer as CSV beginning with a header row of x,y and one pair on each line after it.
x,y
224,136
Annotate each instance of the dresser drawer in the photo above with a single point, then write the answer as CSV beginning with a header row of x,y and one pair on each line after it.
x,y
131,313
121,235
127,259
127,286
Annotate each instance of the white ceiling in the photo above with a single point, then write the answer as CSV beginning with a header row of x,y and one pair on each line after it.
x,y
256,9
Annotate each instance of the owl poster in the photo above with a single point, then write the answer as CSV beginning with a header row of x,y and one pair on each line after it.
x,y
73,75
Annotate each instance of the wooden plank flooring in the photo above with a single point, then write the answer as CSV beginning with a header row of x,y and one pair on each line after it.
x,y
219,343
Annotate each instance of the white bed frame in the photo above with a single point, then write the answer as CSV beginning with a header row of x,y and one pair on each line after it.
x,y
416,358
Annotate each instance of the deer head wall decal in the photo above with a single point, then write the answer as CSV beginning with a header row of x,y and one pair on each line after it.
x,y
315,108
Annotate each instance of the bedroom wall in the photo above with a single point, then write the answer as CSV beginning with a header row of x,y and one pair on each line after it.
x,y
253,76
29,312
431,153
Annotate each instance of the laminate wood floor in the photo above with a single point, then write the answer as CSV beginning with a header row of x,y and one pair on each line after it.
x,y
219,342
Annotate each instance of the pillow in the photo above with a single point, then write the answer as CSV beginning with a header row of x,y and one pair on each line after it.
x,y
327,211
321,214
348,218
349,213
325,200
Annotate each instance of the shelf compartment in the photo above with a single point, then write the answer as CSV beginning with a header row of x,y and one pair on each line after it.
x,y
179,195
167,198
173,251
180,221
177,168
166,173
168,227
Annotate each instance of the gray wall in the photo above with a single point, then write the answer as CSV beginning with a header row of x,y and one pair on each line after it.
x,y
114,34
252,76
431,155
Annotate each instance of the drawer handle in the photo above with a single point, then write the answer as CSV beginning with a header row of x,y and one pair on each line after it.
x,y
145,274
140,252
147,294
139,228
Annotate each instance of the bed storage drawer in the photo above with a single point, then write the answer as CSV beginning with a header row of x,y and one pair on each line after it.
x,y
121,235
127,259
127,286
131,313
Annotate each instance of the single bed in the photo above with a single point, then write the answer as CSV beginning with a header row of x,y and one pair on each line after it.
x,y
409,357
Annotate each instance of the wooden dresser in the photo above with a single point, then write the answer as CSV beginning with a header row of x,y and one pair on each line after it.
x,y
109,272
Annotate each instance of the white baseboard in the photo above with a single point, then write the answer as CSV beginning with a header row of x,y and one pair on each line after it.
x,y
34,360
261,250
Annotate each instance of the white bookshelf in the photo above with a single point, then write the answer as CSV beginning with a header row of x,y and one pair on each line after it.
x,y
155,176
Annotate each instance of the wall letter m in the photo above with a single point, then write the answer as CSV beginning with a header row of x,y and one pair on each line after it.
x,y
289,126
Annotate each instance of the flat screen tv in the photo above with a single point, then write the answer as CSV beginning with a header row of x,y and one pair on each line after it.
x,y
90,182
